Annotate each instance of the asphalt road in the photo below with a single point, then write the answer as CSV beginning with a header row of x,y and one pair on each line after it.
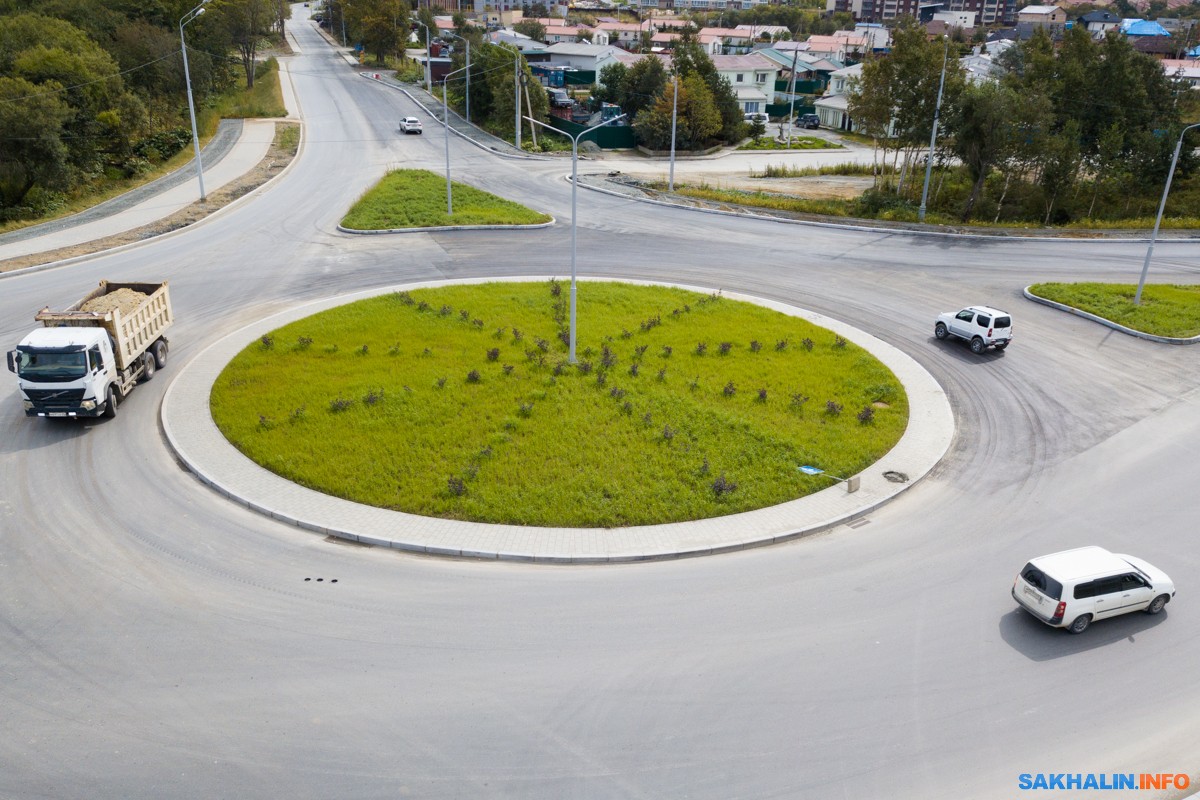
x,y
158,641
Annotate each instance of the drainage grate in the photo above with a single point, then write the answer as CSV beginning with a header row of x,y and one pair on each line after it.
x,y
895,477
858,523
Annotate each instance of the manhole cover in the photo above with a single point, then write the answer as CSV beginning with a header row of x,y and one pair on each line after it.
x,y
896,477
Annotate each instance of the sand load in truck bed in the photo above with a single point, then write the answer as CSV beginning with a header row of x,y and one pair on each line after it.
x,y
123,300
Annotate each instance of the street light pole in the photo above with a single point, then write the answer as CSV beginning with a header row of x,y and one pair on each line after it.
x,y
446,124
187,78
574,192
792,94
1137,297
674,115
937,109
468,41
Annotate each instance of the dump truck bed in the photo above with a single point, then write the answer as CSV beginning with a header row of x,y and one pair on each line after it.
x,y
135,315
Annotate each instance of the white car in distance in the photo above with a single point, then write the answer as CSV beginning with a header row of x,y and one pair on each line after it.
x,y
410,125
982,327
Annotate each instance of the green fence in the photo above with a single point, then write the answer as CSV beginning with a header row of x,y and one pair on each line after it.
x,y
580,77
782,109
802,87
610,137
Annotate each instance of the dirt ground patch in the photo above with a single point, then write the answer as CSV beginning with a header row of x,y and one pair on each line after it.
x,y
813,187
278,156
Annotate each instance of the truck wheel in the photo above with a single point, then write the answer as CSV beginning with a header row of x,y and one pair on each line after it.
x,y
977,346
148,366
940,331
110,402
160,353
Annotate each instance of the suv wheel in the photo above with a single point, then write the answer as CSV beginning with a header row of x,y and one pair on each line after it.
x,y
977,346
940,331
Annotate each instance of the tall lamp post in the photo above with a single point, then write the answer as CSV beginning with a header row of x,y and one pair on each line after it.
x,y
937,109
446,124
468,68
1137,298
574,192
187,78
428,63
674,117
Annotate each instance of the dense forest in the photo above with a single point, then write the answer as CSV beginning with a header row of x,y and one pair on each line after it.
x,y
94,89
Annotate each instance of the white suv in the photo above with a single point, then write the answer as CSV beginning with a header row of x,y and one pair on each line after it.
x,y
983,327
410,125
1072,588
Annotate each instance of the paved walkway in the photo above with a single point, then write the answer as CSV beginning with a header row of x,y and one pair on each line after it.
x,y
237,147
198,443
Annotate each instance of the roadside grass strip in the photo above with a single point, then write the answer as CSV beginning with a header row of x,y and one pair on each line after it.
x,y
1171,311
459,402
415,198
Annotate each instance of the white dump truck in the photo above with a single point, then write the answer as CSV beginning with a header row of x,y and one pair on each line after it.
x,y
85,360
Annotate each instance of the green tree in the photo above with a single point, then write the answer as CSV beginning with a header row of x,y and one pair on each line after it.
x,y
381,25
247,22
871,102
610,87
32,152
531,28
642,85
697,119
982,133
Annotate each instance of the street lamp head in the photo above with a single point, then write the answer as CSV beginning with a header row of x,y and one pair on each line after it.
x,y
201,10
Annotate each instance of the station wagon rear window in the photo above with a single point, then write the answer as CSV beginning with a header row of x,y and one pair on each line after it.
x,y
1042,582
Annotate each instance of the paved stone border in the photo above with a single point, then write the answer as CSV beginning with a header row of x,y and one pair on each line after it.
x,y
1108,323
202,449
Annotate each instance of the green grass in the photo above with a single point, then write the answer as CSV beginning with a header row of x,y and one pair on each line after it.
x,y
376,402
264,100
1166,310
415,198
798,143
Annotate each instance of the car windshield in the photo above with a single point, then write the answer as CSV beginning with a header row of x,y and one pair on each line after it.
x,y
51,366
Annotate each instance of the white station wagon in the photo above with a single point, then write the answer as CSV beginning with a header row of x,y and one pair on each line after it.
x,y
981,326
1073,588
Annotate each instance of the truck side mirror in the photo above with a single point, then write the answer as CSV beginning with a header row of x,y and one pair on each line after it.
x,y
12,360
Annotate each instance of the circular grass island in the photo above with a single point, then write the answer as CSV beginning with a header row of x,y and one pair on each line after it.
x,y
460,402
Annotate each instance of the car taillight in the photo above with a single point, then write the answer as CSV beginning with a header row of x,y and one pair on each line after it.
x,y
1062,609
989,331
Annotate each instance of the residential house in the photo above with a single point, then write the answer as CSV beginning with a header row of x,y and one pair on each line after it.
x,y
728,41
842,46
765,33
1148,37
832,108
569,33
964,20
583,56
752,77
812,72
1099,23
625,34
1051,19
990,12
879,38
1186,70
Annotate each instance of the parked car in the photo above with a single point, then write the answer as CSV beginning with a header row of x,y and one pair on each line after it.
x,y
410,125
1073,588
983,327
808,121
559,98
761,116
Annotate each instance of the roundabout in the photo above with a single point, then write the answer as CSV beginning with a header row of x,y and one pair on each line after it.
x,y
199,444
